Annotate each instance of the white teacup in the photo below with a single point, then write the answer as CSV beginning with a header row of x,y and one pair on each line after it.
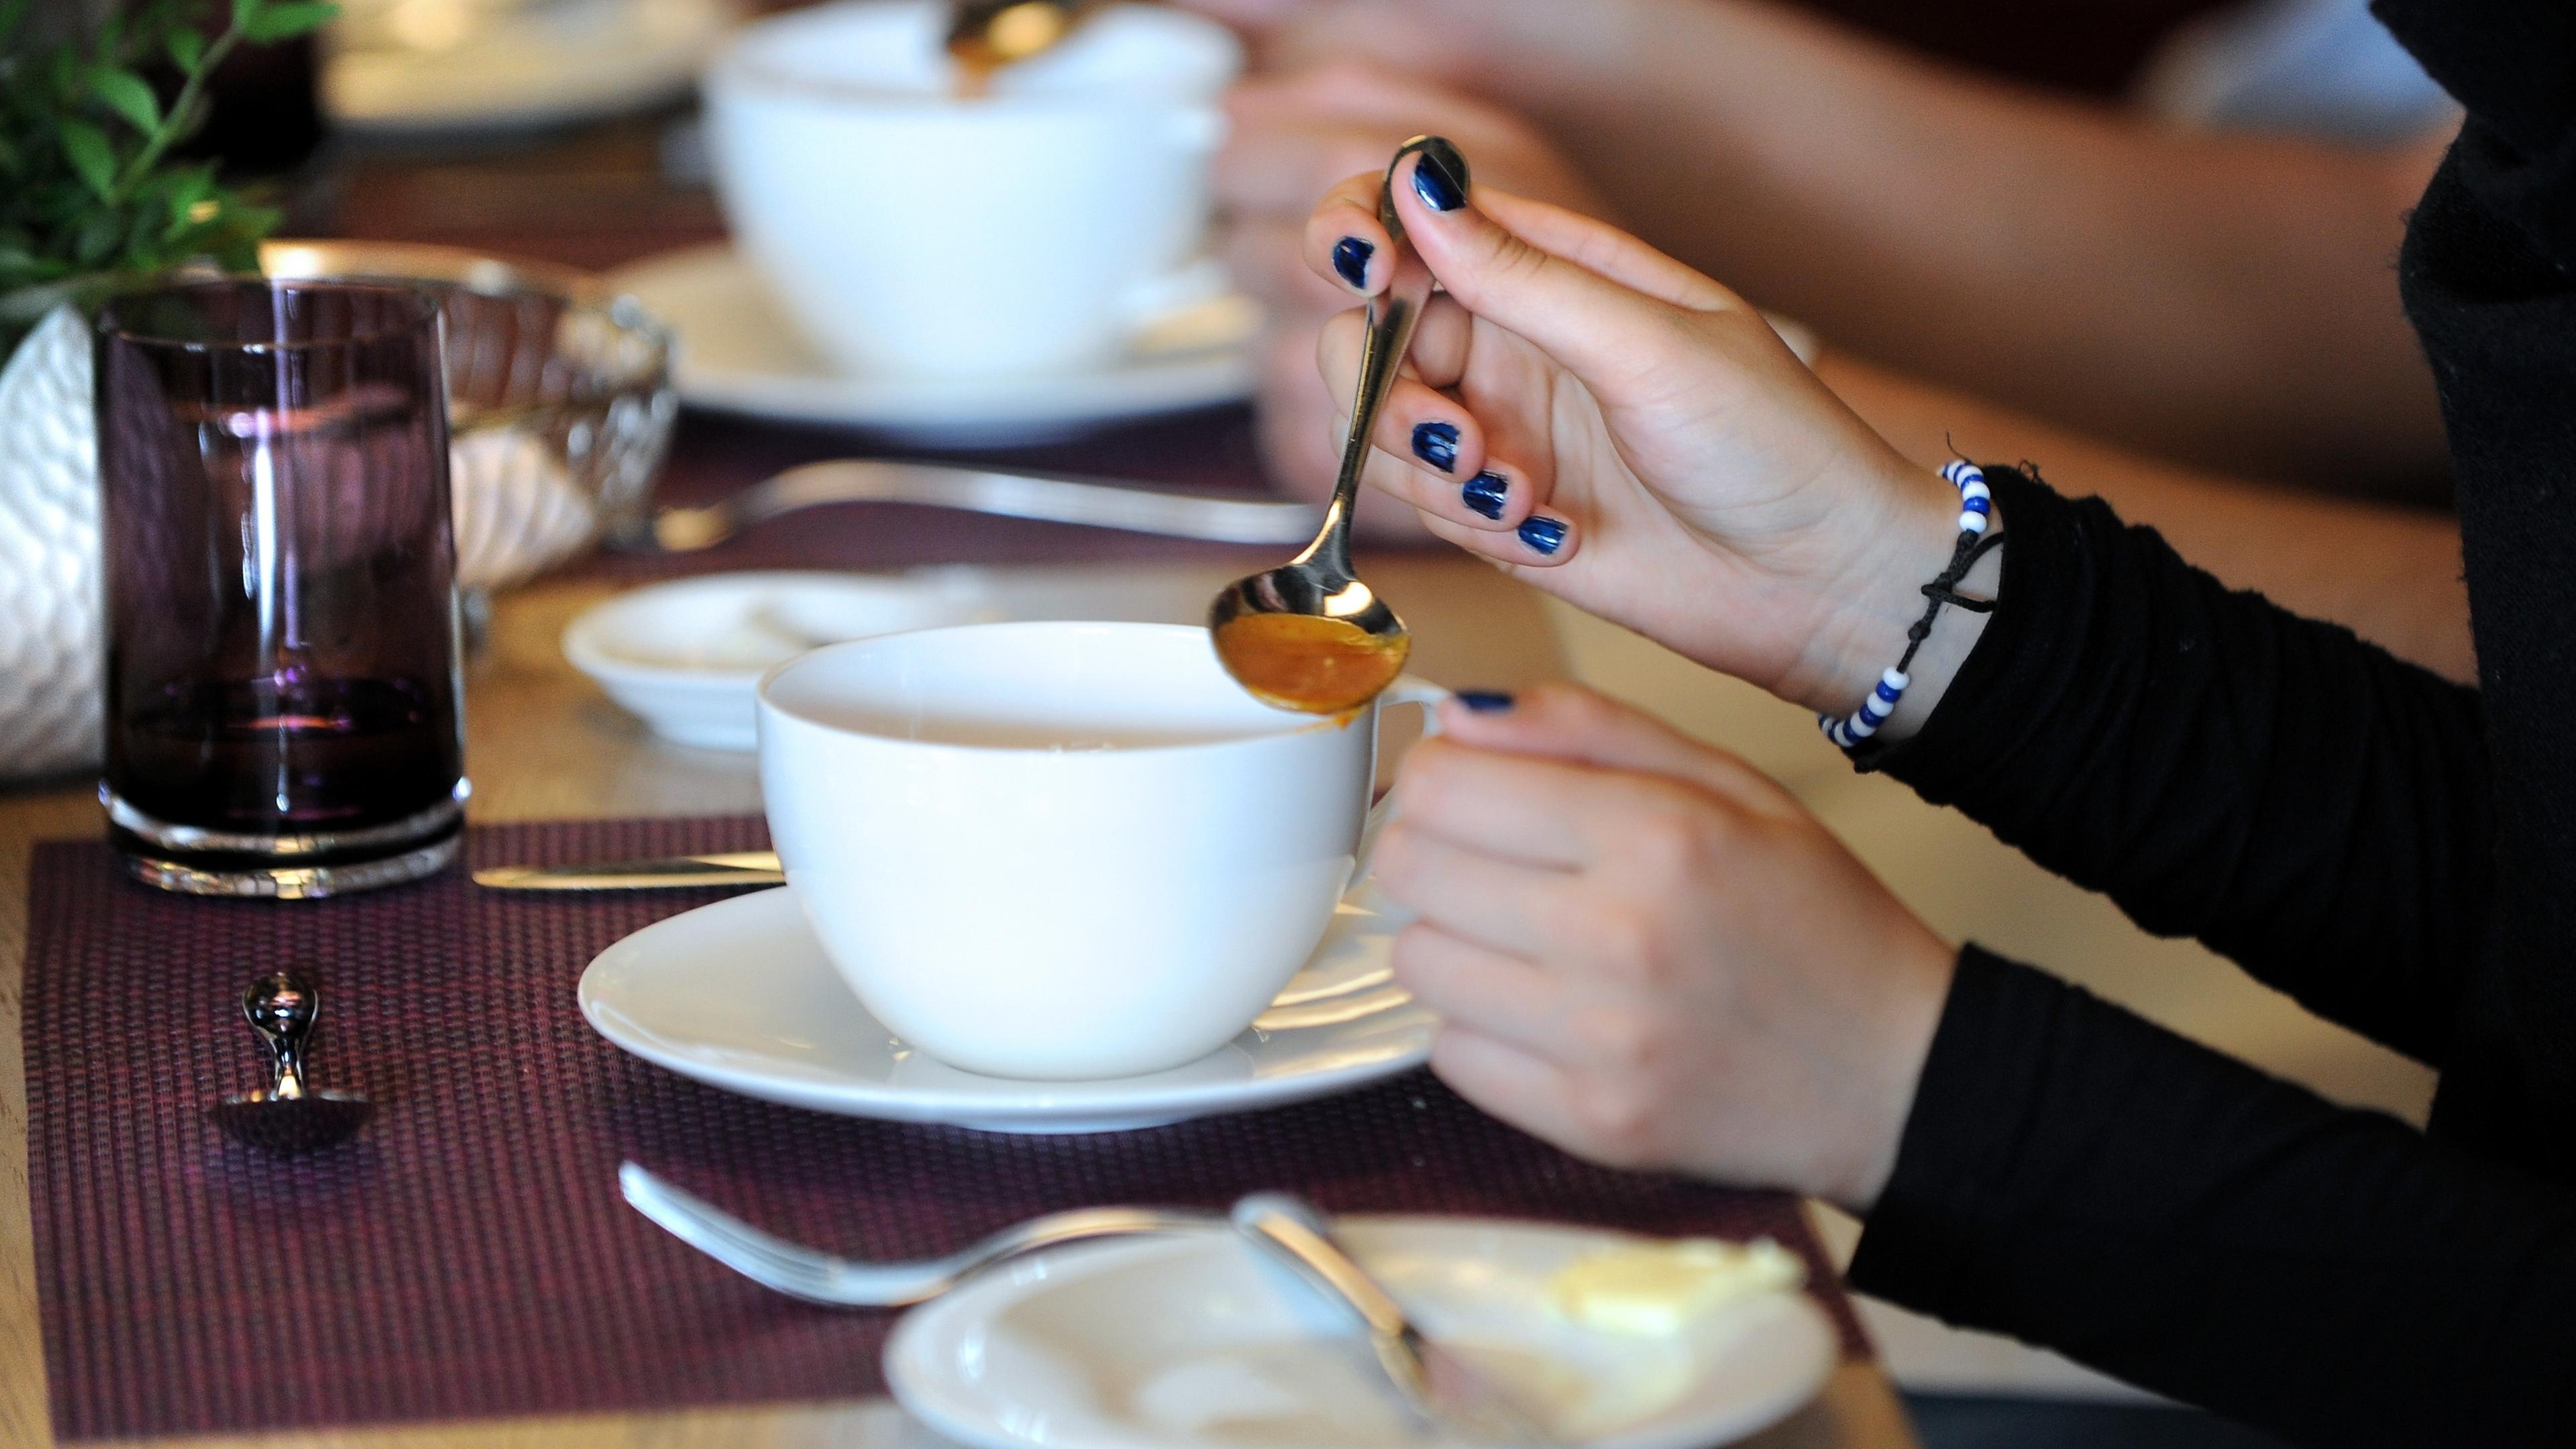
x,y
1061,850
912,232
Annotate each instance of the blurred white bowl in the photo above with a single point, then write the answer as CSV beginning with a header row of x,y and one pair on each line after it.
x,y
52,623
686,657
913,232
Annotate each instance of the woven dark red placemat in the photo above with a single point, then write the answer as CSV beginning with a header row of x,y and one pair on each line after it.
x,y
469,1256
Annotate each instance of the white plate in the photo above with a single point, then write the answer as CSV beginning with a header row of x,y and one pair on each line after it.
x,y
1190,1343
740,996
686,656
454,65
738,354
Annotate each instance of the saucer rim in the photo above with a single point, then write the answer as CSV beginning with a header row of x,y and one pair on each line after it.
x,y
1036,1109
991,410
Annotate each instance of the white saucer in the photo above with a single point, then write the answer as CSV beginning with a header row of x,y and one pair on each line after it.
x,y
737,354
739,995
1192,1343
686,656
448,65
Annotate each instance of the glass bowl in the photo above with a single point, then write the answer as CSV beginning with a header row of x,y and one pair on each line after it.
x,y
559,400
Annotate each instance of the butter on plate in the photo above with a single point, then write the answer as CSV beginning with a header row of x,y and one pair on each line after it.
x,y
1655,1290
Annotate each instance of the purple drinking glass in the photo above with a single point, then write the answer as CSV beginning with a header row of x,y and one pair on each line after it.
x,y
284,708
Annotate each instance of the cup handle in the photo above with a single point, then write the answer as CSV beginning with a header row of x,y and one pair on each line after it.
x,y
1407,689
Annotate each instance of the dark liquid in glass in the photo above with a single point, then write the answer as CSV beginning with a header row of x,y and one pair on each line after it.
x,y
263,756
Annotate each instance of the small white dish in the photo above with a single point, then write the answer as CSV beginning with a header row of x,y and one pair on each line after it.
x,y
739,995
737,354
490,65
686,657
1193,1343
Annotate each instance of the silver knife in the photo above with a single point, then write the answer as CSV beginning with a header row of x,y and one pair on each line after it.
x,y
1440,1388
1221,518
735,868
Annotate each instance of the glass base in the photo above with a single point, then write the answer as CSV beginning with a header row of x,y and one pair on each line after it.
x,y
195,861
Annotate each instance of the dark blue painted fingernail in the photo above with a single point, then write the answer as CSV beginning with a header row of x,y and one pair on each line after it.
x,y
1436,444
1440,188
1484,493
1546,535
1351,259
1485,701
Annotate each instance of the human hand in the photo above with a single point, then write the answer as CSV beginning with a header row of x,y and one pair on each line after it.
x,y
1290,139
1629,435
1648,954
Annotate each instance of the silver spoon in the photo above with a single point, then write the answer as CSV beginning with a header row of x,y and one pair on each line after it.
x,y
289,1117
1357,645
818,1277
1443,1390
985,35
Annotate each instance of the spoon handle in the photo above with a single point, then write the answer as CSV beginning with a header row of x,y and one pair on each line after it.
x,y
281,1007
1392,316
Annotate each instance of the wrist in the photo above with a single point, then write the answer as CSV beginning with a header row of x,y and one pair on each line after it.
x,y
1954,637
1898,532
1912,1009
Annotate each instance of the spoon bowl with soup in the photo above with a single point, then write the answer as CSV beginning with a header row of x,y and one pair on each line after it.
x,y
1309,635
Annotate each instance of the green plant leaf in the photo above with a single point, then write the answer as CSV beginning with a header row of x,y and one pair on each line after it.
x,y
93,160
188,187
187,48
253,221
286,19
245,11
96,240
125,93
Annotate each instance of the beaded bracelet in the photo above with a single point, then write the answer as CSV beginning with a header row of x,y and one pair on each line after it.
x,y
1976,510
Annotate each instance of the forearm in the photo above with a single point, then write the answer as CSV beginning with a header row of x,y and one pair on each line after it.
x,y
2296,799
2323,1273
2389,573
2224,300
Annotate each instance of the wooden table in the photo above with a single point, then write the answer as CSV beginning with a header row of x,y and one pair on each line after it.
x,y
544,744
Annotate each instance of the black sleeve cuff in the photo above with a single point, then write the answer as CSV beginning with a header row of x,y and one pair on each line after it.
x,y
1969,1117
2021,660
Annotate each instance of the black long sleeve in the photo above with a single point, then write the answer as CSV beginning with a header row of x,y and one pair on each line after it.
x,y
2488,274
2081,1178
2399,854
2077,1177
2298,800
